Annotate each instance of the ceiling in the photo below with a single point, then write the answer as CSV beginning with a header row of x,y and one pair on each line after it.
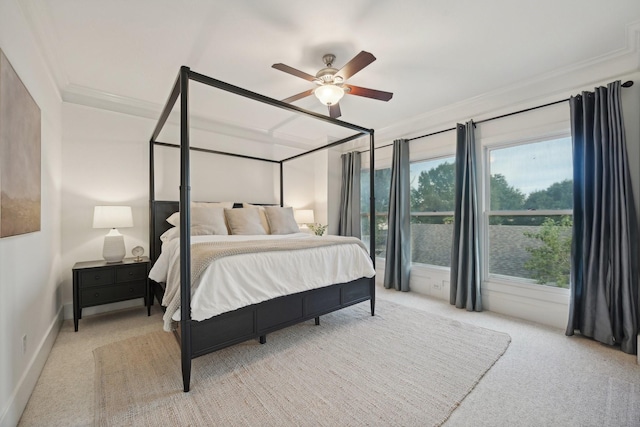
x,y
125,55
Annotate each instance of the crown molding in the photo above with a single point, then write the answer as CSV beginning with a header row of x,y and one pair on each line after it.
x,y
547,87
88,97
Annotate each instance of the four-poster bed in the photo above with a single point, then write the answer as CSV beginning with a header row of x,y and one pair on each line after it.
x,y
254,321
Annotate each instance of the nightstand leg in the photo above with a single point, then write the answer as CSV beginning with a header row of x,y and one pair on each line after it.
x,y
76,303
317,320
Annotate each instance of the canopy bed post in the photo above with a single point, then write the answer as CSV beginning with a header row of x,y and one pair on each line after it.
x,y
152,199
372,216
281,183
185,224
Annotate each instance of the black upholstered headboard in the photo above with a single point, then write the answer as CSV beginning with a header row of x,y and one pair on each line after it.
x,y
160,211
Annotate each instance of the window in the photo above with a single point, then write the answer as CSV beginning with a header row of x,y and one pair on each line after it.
x,y
382,181
530,210
432,206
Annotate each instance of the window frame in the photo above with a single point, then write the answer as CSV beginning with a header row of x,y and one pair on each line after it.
x,y
487,212
423,159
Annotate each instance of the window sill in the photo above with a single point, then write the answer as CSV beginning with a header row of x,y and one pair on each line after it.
x,y
527,290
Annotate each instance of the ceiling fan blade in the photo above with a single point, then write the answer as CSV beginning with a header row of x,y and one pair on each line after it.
x,y
356,64
334,111
294,72
369,93
298,96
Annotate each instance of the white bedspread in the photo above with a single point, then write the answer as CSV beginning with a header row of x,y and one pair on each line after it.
x,y
236,281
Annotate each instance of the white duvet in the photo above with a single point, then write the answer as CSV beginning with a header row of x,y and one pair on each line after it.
x,y
236,281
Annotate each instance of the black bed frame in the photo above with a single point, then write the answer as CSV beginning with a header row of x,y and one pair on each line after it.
x,y
201,337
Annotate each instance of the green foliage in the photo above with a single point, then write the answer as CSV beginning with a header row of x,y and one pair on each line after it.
x,y
318,229
436,190
550,261
503,196
558,195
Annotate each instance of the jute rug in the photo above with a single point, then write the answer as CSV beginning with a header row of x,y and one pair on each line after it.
x,y
401,367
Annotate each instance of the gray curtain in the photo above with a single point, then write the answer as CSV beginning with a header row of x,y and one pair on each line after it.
x,y
397,264
349,223
465,251
604,288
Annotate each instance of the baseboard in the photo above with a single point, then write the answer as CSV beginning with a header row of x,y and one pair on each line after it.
x,y
27,383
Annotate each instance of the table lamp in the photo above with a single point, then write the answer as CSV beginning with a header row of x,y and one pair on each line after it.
x,y
304,217
113,217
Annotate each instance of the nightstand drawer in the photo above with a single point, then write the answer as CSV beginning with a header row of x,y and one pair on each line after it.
x,y
107,294
131,272
96,277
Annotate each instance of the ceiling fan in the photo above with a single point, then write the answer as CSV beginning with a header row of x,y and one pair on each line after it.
x,y
331,82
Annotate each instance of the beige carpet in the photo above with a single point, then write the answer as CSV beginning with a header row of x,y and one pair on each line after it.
x,y
401,367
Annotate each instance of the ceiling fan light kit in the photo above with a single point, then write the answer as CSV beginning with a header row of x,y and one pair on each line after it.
x,y
331,81
329,94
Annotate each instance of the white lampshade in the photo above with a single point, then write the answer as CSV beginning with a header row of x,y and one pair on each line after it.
x,y
113,217
329,94
304,216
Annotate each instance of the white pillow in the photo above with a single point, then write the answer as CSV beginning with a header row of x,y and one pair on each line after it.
x,y
244,221
263,216
281,220
211,217
174,219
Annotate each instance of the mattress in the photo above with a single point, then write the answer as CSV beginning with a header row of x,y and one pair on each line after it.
x,y
237,281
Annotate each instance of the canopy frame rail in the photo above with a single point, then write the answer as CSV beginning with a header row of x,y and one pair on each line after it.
x,y
180,89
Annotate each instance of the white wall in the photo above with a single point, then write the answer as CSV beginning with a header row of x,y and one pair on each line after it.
x,y
106,161
30,293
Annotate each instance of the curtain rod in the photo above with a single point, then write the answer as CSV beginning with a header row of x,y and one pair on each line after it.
x,y
628,83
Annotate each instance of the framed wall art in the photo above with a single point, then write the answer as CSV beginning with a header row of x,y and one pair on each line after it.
x,y
20,167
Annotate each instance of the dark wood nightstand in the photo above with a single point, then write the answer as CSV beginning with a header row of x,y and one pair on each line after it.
x,y
97,283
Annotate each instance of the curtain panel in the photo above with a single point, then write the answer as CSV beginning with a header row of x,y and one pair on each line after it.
x,y
465,252
604,272
398,256
349,222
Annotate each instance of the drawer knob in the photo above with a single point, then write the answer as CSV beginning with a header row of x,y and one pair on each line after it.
x,y
131,273
131,290
97,277
97,294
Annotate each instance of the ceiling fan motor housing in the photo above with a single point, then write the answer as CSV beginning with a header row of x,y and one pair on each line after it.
x,y
328,74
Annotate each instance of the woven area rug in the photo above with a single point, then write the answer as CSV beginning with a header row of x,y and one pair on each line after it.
x,y
400,367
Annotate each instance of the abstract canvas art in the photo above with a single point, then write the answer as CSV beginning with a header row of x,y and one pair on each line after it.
x,y
19,155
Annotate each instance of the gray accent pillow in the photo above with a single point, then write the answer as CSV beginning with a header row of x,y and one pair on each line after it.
x,y
281,220
244,221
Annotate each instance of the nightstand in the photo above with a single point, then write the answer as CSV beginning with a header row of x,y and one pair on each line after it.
x,y
97,283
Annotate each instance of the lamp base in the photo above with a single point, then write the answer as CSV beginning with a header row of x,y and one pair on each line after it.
x,y
113,249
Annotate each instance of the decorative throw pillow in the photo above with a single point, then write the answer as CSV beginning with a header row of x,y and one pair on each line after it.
x,y
174,219
281,220
211,217
263,217
244,221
